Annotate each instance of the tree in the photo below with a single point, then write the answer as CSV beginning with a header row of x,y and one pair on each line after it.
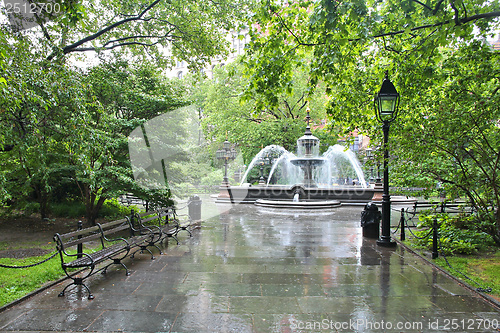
x,y
232,110
45,102
354,43
190,30
456,125
35,118
127,96
77,136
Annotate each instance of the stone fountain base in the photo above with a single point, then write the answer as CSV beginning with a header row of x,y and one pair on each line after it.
x,y
342,194
287,204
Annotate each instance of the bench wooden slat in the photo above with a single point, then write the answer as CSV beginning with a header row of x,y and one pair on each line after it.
x,y
97,257
79,232
113,223
115,230
82,240
166,210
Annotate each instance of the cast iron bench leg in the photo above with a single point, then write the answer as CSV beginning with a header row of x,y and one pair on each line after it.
x,y
77,282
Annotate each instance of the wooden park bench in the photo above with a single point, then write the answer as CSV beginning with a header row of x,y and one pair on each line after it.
x,y
116,240
165,219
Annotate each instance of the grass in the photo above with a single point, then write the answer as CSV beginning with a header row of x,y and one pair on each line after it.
x,y
483,269
26,245
16,283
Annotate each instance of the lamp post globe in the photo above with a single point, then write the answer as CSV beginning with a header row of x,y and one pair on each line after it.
x,y
386,106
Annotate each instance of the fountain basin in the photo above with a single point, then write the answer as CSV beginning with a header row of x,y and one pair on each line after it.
x,y
347,195
313,161
288,204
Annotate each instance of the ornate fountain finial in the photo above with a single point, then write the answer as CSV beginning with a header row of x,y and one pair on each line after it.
x,y
308,119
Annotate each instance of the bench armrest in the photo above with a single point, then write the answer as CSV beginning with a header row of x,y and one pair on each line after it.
x,y
103,237
148,231
142,228
62,250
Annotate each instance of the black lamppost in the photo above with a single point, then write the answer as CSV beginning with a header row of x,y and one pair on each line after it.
x,y
378,180
226,153
386,105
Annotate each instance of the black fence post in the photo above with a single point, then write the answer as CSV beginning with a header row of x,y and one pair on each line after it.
x,y
402,224
435,239
132,214
79,247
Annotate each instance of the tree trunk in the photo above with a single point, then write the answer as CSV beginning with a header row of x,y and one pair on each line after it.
x,y
92,207
43,200
497,222
44,207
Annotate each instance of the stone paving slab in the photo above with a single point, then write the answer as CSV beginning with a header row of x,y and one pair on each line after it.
x,y
250,270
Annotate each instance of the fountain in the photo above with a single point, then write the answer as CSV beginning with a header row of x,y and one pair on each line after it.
x,y
308,152
307,179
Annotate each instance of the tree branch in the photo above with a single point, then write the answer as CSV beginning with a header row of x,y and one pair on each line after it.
x,y
74,47
436,9
423,5
423,27
282,23
137,37
439,24
85,49
258,120
456,18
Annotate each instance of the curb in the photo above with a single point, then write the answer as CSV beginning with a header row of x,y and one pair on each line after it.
x,y
493,302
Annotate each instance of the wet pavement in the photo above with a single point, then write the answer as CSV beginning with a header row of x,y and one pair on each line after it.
x,y
253,269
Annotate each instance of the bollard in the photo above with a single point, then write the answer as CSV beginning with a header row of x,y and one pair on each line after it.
x,y
402,224
79,246
194,208
370,221
435,239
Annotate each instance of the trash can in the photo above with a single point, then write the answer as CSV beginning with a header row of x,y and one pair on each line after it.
x,y
370,221
194,208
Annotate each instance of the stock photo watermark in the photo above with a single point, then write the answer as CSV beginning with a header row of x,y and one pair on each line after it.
x,y
23,14
443,324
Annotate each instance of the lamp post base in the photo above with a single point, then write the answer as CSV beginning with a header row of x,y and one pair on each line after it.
x,y
386,242
224,189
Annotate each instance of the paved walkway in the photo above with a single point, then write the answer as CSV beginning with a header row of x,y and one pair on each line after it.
x,y
252,270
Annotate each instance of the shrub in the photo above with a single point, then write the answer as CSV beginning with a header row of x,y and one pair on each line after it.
x,y
457,234
213,178
112,209
68,209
